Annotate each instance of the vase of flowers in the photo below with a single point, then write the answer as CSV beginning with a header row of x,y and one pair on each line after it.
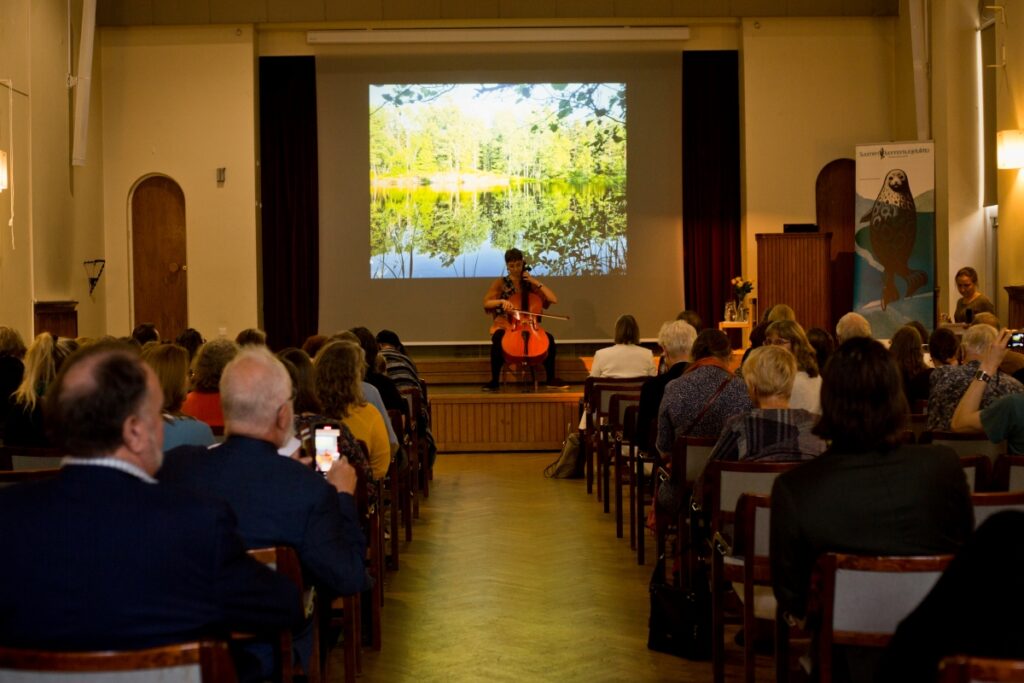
x,y
740,289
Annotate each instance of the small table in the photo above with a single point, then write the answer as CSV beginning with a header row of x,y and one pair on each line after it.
x,y
743,327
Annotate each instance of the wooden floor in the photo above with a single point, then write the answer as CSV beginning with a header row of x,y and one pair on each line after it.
x,y
514,577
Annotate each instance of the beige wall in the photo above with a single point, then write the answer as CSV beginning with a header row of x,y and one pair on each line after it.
x,y
1010,114
180,102
812,90
58,215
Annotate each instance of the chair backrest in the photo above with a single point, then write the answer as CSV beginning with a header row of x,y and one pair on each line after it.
x,y
414,399
862,599
29,457
728,480
617,406
690,455
965,444
11,477
597,393
753,528
918,424
988,504
1014,465
183,663
284,560
961,669
978,470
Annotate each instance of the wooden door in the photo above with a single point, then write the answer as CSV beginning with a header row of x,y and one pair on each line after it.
x,y
160,284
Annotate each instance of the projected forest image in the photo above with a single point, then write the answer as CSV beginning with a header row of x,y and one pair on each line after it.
x,y
461,172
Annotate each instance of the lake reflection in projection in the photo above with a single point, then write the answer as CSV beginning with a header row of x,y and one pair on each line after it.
x,y
441,232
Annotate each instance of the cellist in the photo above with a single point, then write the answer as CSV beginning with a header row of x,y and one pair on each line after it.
x,y
500,301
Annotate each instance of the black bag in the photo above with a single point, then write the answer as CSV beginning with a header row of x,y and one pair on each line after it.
x,y
569,464
680,620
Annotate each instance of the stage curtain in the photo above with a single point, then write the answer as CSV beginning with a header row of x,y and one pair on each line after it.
x,y
290,196
711,180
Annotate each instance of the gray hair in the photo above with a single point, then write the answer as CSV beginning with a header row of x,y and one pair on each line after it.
x,y
978,338
852,325
253,387
676,337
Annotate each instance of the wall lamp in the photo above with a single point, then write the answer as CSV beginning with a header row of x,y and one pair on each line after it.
x,y
1010,149
3,171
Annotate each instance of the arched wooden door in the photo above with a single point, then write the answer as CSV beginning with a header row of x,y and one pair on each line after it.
x,y
159,279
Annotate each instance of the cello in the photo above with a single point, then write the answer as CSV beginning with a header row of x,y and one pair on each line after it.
x,y
525,341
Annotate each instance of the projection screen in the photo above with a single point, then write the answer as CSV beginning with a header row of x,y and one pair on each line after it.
x,y
432,165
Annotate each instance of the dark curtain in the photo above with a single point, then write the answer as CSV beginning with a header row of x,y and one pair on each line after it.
x,y
290,196
711,180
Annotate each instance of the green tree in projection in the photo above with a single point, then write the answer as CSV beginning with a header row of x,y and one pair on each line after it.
x,y
538,166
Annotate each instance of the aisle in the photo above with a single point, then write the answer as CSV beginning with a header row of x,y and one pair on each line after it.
x,y
513,577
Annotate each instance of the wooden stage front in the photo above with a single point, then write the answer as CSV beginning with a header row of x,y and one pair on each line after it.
x,y
469,420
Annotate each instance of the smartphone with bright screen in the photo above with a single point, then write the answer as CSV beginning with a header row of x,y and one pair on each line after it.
x,y
325,439
1016,340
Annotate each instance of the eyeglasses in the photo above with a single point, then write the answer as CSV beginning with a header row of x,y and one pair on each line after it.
x,y
777,341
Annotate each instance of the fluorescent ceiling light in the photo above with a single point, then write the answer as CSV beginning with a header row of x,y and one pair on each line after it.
x,y
499,35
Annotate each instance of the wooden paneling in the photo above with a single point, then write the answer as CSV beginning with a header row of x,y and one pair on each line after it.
x,y
56,317
795,269
1015,318
485,423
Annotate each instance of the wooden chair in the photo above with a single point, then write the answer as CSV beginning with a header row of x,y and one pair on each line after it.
x,y
861,600
397,484
420,472
615,442
689,457
918,424
596,401
963,669
182,663
285,561
965,444
1009,472
726,482
644,489
11,477
978,470
748,561
30,457
988,504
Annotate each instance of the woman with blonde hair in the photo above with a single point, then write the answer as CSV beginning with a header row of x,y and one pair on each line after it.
x,y
170,363
43,361
807,384
339,369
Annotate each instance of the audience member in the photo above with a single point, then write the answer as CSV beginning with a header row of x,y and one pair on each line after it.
x,y
145,333
313,344
626,358
906,348
370,393
101,556
691,317
385,385
676,340
1002,418
971,301
277,501
170,363
190,340
779,312
807,385
1013,361
251,336
823,344
309,414
948,383
852,325
12,369
203,401
45,355
771,430
700,401
868,493
974,609
943,347
339,373
404,373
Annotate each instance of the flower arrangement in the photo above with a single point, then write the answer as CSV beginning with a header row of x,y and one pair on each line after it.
x,y
740,289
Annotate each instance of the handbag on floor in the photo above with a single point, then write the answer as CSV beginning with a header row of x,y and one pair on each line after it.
x,y
569,464
680,620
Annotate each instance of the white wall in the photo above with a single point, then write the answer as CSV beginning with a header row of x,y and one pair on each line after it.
x,y
181,102
812,90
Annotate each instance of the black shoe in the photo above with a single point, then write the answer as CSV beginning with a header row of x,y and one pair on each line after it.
x,y
490,386
556,383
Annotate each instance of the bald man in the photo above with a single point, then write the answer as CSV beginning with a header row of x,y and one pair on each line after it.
x,y
101,556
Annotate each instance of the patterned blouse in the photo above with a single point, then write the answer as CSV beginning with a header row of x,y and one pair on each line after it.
x,y
950,382
686,397
769,434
